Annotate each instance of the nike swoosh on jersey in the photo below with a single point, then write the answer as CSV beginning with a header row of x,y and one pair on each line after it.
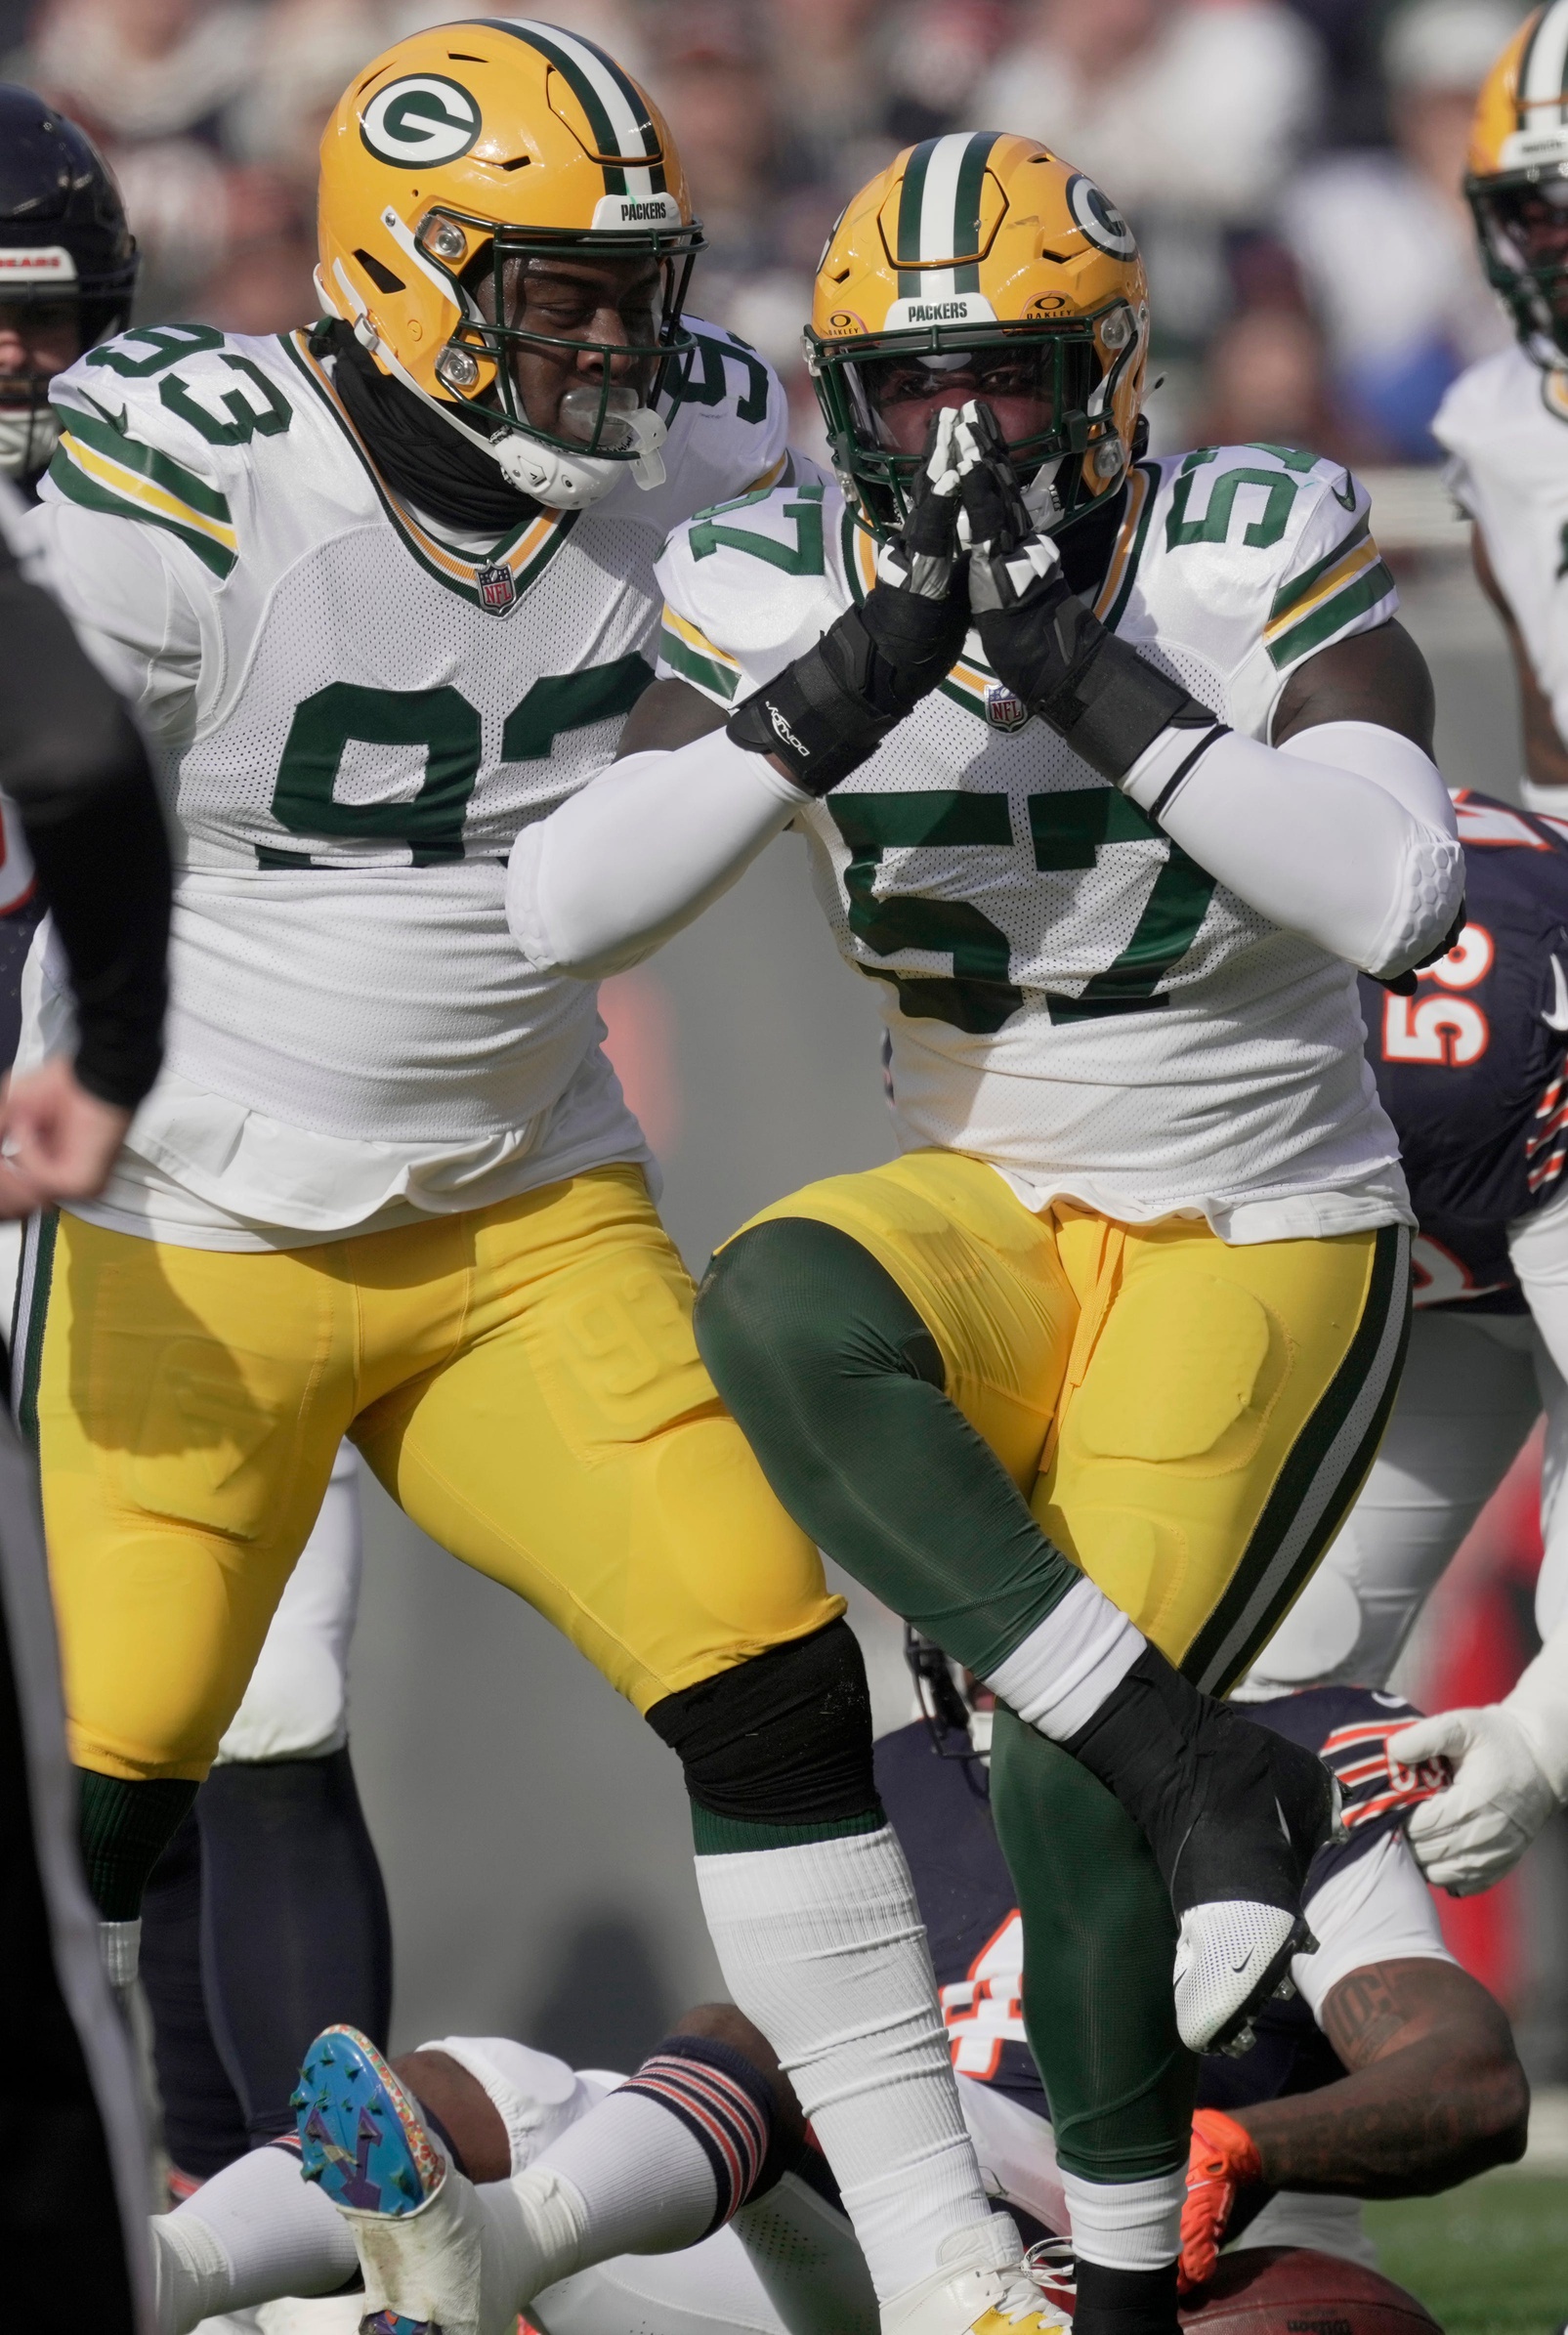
x,y
1557,1018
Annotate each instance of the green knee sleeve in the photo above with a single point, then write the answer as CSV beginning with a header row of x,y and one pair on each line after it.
x,y
125,1828
837,1385
1099,1942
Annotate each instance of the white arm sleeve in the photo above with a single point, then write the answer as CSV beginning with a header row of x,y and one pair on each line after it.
x,y
639,852
1375,1909
1357,852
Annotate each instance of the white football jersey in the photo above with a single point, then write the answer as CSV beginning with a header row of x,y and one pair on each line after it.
x,y
351,717
1067,994
1504,424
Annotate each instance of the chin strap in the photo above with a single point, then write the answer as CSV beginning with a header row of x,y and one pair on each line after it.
x,y
561,481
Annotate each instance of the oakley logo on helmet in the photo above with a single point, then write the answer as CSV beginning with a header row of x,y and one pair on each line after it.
x,y
419,121
1099,218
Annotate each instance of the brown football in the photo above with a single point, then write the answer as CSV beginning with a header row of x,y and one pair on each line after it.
x,y
1291,2290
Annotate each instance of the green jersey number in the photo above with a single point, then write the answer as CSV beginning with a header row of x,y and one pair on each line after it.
x,y
444,722
1220,512
804,557
1068,832
979,998
712,388
168,344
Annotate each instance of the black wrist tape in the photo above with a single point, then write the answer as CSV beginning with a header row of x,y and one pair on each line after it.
x,y
1112,704
828,711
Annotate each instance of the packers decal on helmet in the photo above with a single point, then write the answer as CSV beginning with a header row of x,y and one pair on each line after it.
x,y
985,259
1518,182
459,159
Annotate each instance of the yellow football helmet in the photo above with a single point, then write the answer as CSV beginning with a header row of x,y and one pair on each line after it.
x,y
492,141
1518,182
969,244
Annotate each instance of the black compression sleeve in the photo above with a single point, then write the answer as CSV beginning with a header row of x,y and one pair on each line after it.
x,y
72,762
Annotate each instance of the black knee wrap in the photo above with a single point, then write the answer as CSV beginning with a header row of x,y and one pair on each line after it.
x,y
784,1738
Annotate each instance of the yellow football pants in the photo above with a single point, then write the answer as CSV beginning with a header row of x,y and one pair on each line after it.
x,y
1189,1421
523,1379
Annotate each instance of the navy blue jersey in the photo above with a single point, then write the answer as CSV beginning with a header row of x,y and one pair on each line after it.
x,y
941,1810
1473,1068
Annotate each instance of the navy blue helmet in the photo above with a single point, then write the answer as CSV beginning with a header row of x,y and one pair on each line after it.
x,y
64,245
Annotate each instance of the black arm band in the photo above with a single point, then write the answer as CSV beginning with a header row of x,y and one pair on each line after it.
x,y
1113,705
72,762
830,710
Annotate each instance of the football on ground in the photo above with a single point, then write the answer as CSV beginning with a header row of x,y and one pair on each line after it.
x,y
1291,2290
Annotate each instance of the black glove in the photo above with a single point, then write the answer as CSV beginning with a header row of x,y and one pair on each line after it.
x,y
830,710
1100,695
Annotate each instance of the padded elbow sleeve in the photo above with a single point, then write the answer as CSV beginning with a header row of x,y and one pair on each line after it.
x,y
783,1739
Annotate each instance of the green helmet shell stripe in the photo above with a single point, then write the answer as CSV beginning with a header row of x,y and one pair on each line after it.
x,y
617,114
938,215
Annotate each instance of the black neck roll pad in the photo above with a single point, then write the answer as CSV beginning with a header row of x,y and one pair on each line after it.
x,y
784,1738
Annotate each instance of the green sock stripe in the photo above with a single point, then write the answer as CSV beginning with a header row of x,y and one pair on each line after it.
x,y
125,1828
728,1835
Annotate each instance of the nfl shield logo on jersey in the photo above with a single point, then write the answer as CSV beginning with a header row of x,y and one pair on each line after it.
x,y
1004,709
497,588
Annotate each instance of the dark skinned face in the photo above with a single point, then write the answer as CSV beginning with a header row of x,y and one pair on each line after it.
x,y
616,303
905,393
1532,226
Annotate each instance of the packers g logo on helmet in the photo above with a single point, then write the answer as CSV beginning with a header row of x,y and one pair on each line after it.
x,y
982,253
420,121
1100,219
1518,182
454,159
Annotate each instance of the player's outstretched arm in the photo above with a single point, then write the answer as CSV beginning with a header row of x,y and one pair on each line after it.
x,y
72,762
625,863
1357,851
1435,2094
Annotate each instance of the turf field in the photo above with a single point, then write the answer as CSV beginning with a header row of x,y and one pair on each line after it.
x,y
1490,2259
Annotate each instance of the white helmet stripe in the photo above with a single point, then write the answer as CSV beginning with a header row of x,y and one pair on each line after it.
x,y
938,205
1546,63
628,131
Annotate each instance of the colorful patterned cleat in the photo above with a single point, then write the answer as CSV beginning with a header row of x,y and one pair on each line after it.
x,y
361,2139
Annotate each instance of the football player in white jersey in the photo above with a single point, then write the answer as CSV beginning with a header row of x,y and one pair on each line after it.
x,y
1084,1383
1504,424
383,593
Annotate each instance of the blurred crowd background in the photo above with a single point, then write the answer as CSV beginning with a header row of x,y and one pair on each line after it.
x,y
1291,166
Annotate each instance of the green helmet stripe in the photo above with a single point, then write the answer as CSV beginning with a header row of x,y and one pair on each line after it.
x,y
966,208
599,85
911,203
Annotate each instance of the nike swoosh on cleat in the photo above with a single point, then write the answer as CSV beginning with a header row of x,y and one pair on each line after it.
x,y
1237,1968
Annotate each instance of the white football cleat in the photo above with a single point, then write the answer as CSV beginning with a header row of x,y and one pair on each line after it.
x,y
1233,1954
980,2288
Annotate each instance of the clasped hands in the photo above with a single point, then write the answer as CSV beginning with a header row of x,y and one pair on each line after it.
x,y
968,552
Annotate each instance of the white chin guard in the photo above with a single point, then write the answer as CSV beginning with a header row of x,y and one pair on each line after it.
x,y
566,482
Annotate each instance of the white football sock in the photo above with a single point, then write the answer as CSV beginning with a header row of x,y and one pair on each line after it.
x,y
649,2170
1126,2224
120,1945
254,2231
1069,1663
822,1945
